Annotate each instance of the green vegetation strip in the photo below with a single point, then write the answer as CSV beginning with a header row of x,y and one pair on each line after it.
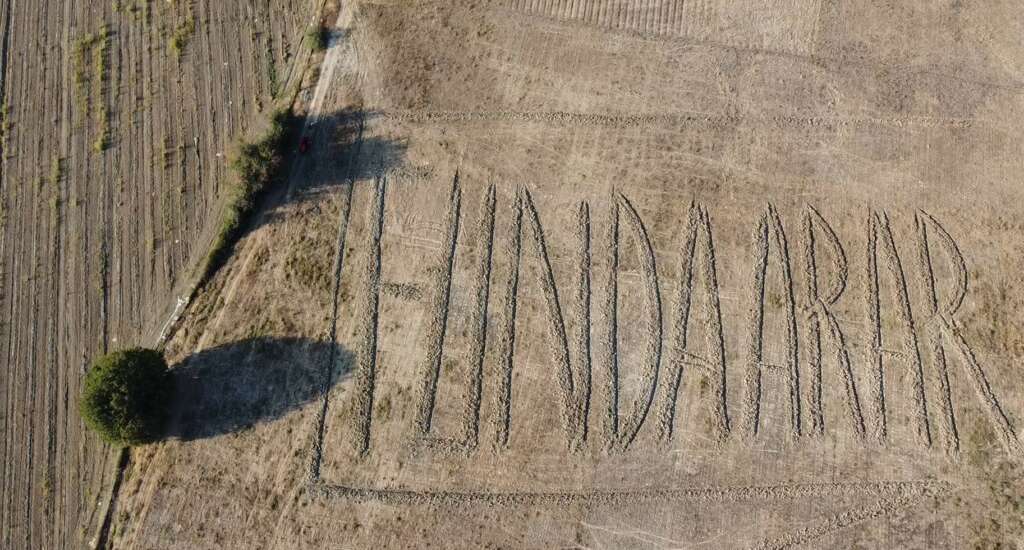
x,y
182,35
91,86
257,165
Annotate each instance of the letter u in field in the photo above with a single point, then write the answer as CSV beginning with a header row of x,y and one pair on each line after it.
x,y
438,320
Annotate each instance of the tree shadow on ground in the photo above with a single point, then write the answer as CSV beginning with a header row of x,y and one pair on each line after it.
x,y
347,147
341,148
232,387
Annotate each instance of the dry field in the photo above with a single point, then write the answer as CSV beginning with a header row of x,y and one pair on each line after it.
x,y
676,274
115,118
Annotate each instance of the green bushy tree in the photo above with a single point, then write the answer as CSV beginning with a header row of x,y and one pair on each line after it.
x,y
126,396
316,39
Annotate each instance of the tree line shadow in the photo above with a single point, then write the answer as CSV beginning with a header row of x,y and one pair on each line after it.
x,y
328,152
343,147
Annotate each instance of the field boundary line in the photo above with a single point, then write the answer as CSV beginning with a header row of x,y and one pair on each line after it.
x,y
706,494
634,119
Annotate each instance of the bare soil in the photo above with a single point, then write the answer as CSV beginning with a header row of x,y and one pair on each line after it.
x,y
620,274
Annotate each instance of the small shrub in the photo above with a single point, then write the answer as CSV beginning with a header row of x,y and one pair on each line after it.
x,y
182,36
316,39
126,396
